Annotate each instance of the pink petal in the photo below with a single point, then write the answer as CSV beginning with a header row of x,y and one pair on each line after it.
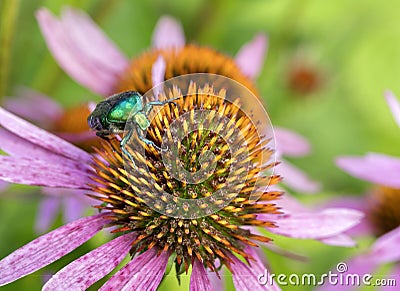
x,y
93,266
289,143
34,106
19,147
376,168
77,137
290,204
41,137
158,75
340,240
254,277
49,248
326,223
358,203
168,33
394,105
386,248
144,272
216,283
47,212
199,280
75,202
296,179
250,57
82,49
42,173
74,207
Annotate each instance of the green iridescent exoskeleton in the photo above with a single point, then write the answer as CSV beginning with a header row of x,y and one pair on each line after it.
x,y
111,115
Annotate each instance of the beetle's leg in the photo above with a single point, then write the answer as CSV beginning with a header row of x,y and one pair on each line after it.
x,y
149,142
148,106
123,143
106,135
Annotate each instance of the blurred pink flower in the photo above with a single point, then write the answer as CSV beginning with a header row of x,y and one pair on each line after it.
x,y
380,207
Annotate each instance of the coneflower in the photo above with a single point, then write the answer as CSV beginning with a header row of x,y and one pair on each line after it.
x,y
380,207
137,198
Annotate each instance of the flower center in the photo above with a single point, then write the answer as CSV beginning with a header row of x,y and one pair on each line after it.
x,y
72,123
384,212
138,194
303,78
187,60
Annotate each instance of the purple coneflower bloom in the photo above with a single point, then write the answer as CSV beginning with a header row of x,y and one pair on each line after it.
x,y
382,217
151,238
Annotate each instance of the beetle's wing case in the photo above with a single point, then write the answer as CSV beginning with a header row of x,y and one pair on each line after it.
x,y
124,105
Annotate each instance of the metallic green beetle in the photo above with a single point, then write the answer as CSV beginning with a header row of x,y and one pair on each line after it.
x,y
111,115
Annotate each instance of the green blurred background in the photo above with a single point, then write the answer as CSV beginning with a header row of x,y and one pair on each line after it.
x,y
351,46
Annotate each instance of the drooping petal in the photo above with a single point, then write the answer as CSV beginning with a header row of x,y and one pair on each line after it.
x,y
168,33
250,57
74,201
297,179
158,75
199,280
144,272
251,278
386,248
394,105
74,207
290,143
19,147
376,168
259,264
47,212
41,137
216,283
93,266
82,49
323,224
49,248
42,173
34,106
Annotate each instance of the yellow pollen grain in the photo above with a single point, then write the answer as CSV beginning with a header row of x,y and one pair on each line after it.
x,y
143,213
208,249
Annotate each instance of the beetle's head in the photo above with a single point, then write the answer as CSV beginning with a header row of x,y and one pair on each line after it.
x,y
97,120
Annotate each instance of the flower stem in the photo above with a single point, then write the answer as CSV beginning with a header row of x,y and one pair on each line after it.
x,y
9,13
